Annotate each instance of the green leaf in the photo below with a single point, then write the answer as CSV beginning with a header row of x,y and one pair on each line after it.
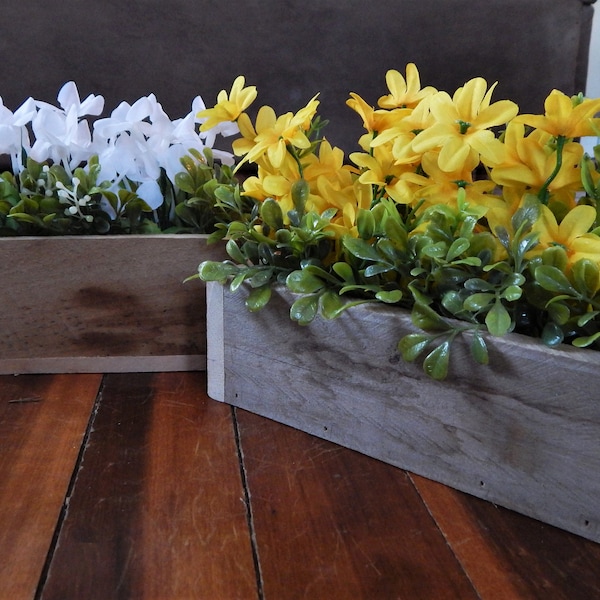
x,y
498,320
378,269
512,293
586,276
261,278
300,193
365,223
361,249
437,250
234,252
479,349
554,280
452,302
458,247
344,270
559,312
582,342
210,270
412,345
389,297
585,319
436,362
303,282
305,309
270,212
427,319
331,304
258,298
478,301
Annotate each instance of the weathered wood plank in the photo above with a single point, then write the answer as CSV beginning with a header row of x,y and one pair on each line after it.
x,y
507,555
43,420
158,507
68,299
522,432
333,523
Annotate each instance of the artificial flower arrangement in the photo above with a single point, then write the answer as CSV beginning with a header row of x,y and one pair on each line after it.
x,y
472,216
135,171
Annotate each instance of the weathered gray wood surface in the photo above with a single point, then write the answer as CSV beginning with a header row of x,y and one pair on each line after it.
x,y
103,303
523,433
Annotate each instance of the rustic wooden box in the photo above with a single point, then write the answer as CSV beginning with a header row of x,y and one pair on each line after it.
x,y
523,432
103,303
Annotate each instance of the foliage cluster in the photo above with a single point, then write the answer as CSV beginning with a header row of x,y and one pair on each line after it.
x,y
472,216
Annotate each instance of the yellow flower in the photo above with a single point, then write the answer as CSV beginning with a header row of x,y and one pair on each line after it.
x,y
462,125
441,187
572,233
531,159
330,164
380,170
228,107
564,116
374,121
404,93
272,134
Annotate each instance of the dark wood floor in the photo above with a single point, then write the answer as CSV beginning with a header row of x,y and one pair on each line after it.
x,y
139,486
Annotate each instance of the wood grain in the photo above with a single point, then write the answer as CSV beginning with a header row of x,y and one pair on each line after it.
x,y
332,523
43,421
522,433
158,508
509,556
82,297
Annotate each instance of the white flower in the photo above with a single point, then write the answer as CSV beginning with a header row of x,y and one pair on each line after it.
x,y
14,135
61,134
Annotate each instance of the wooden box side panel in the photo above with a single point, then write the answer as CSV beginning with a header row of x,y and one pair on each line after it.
x,y
103,303
522,432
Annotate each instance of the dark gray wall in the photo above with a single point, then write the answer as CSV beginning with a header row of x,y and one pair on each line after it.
x,y
290,49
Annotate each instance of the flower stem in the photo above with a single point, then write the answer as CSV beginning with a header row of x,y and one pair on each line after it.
x,y
543,194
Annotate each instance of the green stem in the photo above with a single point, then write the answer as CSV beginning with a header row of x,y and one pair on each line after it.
x,y
543,194
295,156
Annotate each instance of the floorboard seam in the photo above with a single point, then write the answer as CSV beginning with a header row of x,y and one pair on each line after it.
x,y
446,540
247,500
70,488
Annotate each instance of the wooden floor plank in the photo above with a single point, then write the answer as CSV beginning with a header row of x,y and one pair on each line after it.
x,y
332,523
510,556
43,420
158,508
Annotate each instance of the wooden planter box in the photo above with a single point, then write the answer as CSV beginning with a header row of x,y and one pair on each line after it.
x,y
523,432
103,303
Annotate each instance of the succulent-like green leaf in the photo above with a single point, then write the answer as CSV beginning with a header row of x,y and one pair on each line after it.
x,y
479,350
305,309
210,270
234,252
365,223
427,319
498,319
553,280
584,341
437,361
303,282
361,249
412,345
586,276
270,212
458,247
258,298
331,304
389,297
344,270
478,301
